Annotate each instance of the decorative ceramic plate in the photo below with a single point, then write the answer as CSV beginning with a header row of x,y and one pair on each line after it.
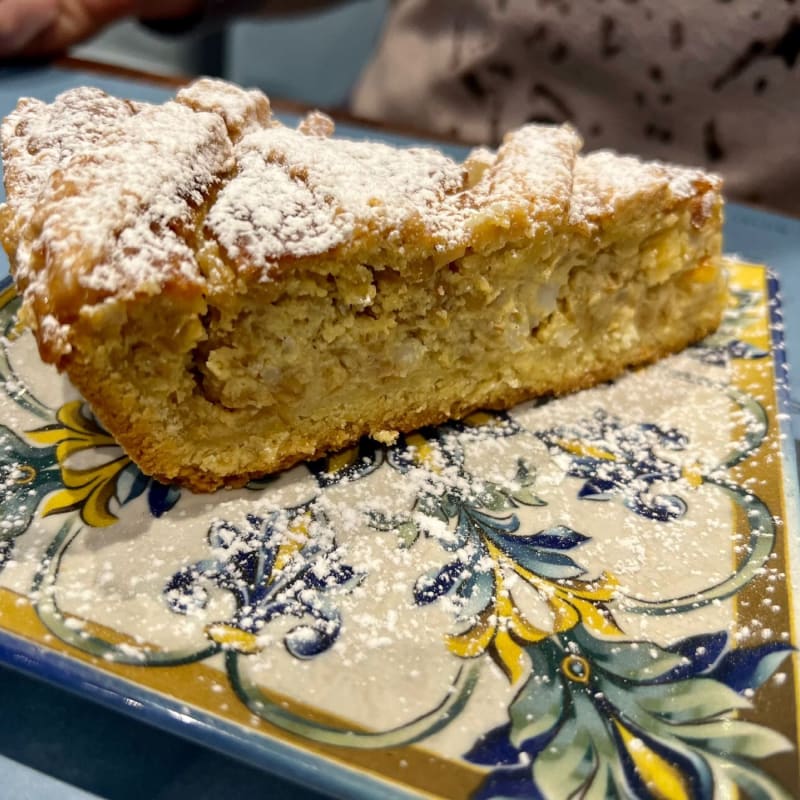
x,y
585,597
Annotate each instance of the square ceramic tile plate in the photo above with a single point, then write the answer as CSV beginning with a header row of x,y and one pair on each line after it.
x,y
591,596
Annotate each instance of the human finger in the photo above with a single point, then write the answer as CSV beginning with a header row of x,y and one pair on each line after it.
x,y
21,21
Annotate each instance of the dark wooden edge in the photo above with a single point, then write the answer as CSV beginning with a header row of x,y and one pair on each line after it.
x,y
116,71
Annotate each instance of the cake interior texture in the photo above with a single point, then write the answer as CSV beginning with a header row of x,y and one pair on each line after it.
x,y
305,291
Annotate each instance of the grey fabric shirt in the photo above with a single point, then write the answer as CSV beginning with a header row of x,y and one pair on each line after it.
x,y
708,82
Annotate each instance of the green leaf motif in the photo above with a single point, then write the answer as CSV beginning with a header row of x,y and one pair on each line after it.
x,y
594,723
27,474
566,765
629,660
538,709
735,737
697,699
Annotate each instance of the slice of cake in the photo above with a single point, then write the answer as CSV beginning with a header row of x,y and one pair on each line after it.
x,y
233,296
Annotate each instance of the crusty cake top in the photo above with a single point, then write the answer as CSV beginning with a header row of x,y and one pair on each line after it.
x,y
112,198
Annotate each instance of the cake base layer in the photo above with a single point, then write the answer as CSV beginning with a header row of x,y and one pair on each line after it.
x,y
213,391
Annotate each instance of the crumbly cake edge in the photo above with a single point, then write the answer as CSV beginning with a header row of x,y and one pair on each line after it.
x,y
199,480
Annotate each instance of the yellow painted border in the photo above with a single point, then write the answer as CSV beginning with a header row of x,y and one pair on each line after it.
x,y
763,472
191,684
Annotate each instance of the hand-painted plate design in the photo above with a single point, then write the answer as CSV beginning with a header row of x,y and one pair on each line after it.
x,y
585,597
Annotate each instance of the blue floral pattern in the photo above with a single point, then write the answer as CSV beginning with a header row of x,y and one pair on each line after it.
x,y
723,345
271,573
620,460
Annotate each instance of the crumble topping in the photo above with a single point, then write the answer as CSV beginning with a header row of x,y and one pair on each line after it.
x,y
106,195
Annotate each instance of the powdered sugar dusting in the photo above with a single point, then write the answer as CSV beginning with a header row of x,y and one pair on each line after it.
x,y
114,209
294,220
606,181
301,195
105,194
241,110
54,334
38,138
334,193
532,172
102,189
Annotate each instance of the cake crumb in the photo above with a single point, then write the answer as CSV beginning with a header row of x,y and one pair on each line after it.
x,y
386,437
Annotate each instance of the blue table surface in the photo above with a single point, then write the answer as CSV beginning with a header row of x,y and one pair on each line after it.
x,y
58,745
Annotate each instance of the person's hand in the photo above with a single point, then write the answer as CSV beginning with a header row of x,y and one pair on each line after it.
x,y
47,27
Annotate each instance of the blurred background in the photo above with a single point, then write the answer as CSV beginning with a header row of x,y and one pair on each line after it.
x,y
314,58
